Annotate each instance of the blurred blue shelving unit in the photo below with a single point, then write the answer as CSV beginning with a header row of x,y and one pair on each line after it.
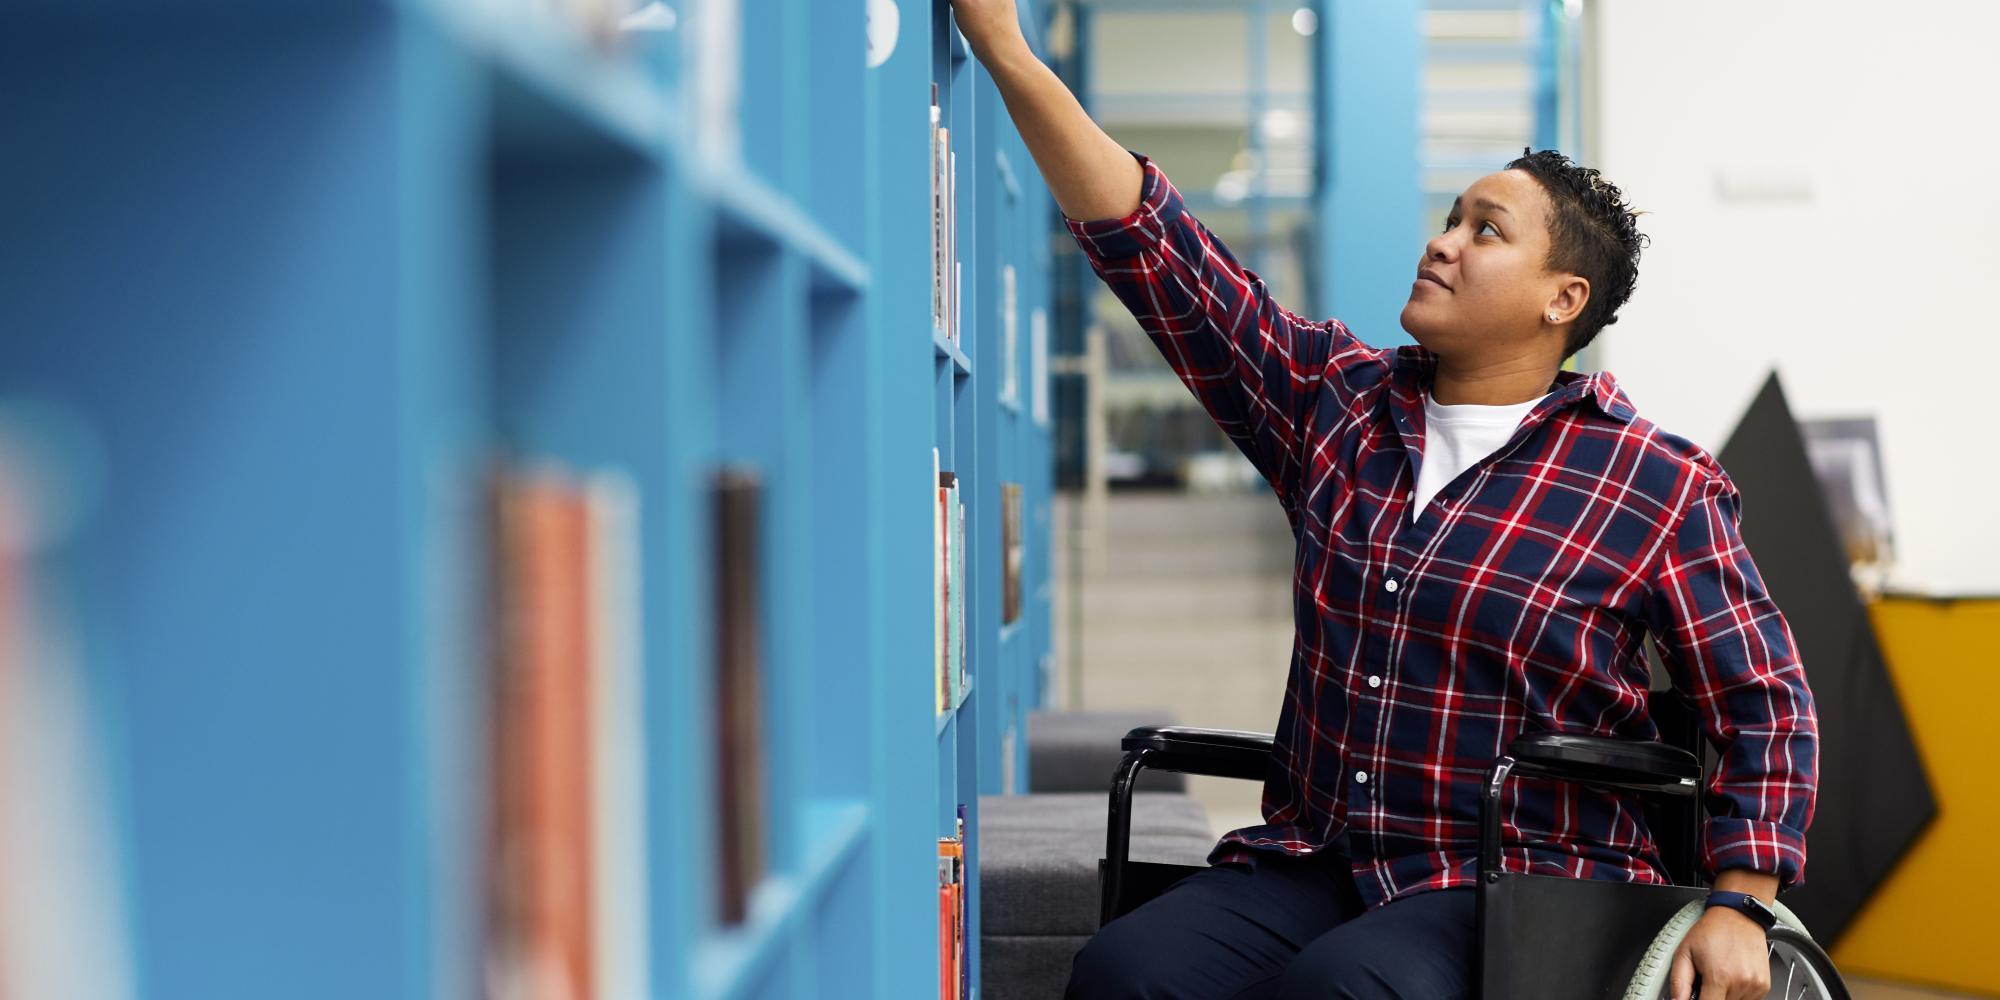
x,y
293,275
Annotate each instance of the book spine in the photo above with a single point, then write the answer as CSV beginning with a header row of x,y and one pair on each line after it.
x,y
955,551
951,233
959,606
937,217
937,587
946,244
739,668
944,593
617,640
543,928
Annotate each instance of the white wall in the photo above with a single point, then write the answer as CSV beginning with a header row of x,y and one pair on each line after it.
x,y
1865,270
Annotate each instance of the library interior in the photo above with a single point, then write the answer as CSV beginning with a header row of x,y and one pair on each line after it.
x,y
630,499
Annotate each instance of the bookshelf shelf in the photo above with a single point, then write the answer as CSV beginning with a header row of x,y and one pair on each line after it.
x,y
729,961
949,715
746,204
474,335
945,349
558,86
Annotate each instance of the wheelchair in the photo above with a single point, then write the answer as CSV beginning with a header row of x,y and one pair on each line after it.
x,y
1541,937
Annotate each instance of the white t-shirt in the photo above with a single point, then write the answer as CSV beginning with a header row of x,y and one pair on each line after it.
x,y
1456,437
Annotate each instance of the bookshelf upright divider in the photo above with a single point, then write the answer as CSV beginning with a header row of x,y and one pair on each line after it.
x,y
504,494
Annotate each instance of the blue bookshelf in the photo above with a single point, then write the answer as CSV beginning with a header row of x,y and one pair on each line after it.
x,y
288,278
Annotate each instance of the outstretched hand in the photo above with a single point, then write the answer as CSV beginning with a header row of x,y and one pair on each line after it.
x,y
987,24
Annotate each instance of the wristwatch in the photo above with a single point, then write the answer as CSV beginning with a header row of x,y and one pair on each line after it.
x,y
1746,904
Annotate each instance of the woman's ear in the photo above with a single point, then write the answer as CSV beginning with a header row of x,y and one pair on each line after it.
x,y
1568,302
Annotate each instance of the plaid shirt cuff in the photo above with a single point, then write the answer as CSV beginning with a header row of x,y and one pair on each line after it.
x,y
1758,845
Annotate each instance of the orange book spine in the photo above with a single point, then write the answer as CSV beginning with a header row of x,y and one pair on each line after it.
x,y
542,763
946,974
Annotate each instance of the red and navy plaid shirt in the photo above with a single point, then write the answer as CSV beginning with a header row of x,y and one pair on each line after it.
x,y
1518,601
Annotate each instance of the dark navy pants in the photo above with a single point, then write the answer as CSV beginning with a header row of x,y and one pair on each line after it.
x,y
1284,928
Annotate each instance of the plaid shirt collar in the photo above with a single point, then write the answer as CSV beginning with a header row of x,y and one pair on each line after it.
x,y
1414,367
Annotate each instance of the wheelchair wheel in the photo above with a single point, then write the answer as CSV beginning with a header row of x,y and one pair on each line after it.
x,y
1800,968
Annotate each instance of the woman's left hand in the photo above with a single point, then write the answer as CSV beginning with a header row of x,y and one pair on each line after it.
x,y
1732,954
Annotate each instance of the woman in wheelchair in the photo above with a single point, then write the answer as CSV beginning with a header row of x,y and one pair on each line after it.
x,y
1485,542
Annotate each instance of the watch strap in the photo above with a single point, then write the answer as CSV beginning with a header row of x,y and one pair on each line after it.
x,y
1746,904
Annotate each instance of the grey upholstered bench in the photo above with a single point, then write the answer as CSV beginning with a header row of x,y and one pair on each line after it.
x,y
1038,852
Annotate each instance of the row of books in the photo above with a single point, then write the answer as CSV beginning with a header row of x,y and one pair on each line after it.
x,y
949,577
565,863
945,272
949,590
954,981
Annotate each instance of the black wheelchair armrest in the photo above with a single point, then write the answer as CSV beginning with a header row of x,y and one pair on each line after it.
x,y
1638,765
1222,753
1597,761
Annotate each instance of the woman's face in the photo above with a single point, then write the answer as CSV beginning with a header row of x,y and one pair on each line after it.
x,y
1483,290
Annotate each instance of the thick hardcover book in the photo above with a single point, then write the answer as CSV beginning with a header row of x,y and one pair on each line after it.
x,y
739,666
543,857
946,974
951,918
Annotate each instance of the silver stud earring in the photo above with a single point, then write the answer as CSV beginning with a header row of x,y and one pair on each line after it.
x,y
1552,317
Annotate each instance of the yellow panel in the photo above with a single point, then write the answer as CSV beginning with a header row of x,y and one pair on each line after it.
x,y
1937,918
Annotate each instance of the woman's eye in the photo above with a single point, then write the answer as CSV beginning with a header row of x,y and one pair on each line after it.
x,y
1449,224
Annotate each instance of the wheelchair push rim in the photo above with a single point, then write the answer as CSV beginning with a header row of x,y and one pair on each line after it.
x,y
1800,968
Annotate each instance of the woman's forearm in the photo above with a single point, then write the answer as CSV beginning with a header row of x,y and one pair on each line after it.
x,y
1089,173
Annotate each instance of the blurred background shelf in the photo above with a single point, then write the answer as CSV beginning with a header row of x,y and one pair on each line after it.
x,y
299,283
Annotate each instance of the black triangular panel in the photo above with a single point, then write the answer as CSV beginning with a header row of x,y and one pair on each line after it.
x,y
1874,798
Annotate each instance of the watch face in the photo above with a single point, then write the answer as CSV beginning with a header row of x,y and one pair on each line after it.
x,y
1750,906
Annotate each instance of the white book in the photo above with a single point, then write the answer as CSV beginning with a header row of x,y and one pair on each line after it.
x,y
618,790
1038,366
951,231
937,221
941,267
713,55
937,585
1010,382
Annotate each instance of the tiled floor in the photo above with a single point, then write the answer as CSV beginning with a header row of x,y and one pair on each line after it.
x,y
1188,610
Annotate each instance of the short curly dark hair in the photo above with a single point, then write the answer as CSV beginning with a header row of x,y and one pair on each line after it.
x,y
1592,234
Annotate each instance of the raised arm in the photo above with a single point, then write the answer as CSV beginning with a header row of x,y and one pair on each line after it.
x,y
1090,175
1254,366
